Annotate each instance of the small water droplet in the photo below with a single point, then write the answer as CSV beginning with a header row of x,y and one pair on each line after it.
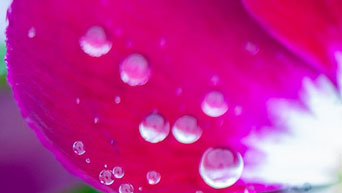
x,y
126,188
186,129
214,104
106,177
162,42
252,48
221,167
105,166
140,188
238,110
31,33
153,177
118,172
117,99
135,70
199,191
78,148
215,80
78,100
96,120
154,128
179,91
95,42
87,160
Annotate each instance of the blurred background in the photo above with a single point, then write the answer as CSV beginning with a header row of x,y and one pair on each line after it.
x,y
25,165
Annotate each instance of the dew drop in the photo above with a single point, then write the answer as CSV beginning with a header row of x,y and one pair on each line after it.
x,y
105,166
117,99
252,48
140,188
153,177
154,128
126,188
118,172
94,42
135,70
221,167
78,100
186,129
31,33
87,160
96,120
106,177
214,104
78,148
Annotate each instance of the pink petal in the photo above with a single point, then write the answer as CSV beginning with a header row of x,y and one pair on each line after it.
x,y
192,48
312,29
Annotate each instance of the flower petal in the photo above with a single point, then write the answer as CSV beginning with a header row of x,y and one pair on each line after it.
x,y
146,57
312,29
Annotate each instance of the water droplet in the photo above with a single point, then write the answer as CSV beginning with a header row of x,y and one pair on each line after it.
x,y
78,100
78,148
154,128
87,160
221,167
105,166
215,80
140,188
162,42
126,188
214,104
179,91
238,110
96,120
117,99
252,48
106,177
153,177
95,42
186,129
135,70
118,172
199,191
31,33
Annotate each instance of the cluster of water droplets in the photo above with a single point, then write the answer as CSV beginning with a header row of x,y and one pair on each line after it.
x,y
219,167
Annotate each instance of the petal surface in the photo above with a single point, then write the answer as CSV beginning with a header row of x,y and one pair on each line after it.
x,y
70,90
311,29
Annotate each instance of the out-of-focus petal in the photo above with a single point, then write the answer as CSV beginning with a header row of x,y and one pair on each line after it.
x,y
311,29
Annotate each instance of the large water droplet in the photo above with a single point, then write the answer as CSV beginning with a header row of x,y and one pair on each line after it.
x,y
106,177
154,128
153,177
95,42
186,129
78,148
135,70
214,104
221,167
118,172
126,188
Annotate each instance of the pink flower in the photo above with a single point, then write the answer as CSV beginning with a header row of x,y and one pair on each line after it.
x,y
173,96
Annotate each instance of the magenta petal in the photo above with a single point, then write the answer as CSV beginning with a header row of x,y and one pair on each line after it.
x,y
312,29
191,47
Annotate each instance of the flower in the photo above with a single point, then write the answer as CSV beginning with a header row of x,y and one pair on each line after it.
x,y
191,90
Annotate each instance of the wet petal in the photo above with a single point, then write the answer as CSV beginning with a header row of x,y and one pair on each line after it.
x,y
311,29
96,98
